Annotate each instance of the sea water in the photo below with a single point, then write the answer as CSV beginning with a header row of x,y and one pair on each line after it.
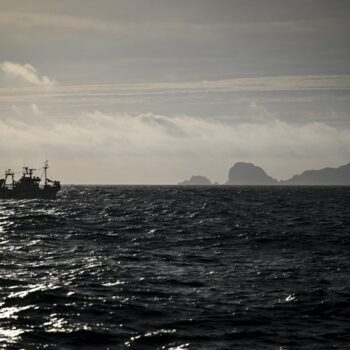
x,y
167,267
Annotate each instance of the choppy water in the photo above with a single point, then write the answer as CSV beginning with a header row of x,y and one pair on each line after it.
x,y
176,268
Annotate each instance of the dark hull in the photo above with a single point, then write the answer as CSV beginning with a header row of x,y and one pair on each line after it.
x,y
40,193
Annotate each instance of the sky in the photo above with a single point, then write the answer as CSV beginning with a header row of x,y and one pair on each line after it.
x,y
155,91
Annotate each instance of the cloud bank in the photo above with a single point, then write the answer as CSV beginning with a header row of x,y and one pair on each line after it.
x,y
47,20
148,148
26,72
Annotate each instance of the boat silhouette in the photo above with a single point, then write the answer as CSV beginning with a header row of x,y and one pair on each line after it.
x,y
28,186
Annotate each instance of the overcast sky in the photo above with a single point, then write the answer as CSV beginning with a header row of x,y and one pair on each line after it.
x,y
154,91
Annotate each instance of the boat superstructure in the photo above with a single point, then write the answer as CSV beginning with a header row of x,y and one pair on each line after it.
x,y
29,185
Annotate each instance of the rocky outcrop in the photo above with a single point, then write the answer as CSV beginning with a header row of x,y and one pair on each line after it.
x,y
249,174
196,181
322,177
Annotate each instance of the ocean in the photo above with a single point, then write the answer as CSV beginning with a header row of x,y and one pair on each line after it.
x,y
176,268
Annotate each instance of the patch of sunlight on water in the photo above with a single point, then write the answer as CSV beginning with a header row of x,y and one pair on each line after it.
x,y
33,288
10,335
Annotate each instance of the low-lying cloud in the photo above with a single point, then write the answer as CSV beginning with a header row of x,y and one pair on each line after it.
x,y
148,148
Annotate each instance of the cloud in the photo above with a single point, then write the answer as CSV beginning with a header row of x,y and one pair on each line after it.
x,y
257,84
17,110
148,148
174,90
27,73
49,20
35,109
166,25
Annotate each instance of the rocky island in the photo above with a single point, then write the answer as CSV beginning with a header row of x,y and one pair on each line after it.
x,y
249,174
324,177
196,181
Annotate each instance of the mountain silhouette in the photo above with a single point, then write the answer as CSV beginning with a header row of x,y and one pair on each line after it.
x,y
249,174
196,180
322,177
246,174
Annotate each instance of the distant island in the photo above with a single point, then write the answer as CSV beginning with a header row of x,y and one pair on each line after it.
x,y
196,181
322,177
248,174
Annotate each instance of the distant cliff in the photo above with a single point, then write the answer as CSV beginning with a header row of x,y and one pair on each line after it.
x,y
249,174
322,177
196,181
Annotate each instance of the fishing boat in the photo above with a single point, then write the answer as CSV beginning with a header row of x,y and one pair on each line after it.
x,y
28,186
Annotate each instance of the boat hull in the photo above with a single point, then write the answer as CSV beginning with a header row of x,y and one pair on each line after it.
x,y
41,193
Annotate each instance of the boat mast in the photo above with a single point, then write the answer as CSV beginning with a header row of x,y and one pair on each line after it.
x,y
46,166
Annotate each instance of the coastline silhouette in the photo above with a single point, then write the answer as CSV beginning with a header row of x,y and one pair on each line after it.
x,y
248,174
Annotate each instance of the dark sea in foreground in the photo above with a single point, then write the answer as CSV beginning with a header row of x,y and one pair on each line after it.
x,y
176,268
